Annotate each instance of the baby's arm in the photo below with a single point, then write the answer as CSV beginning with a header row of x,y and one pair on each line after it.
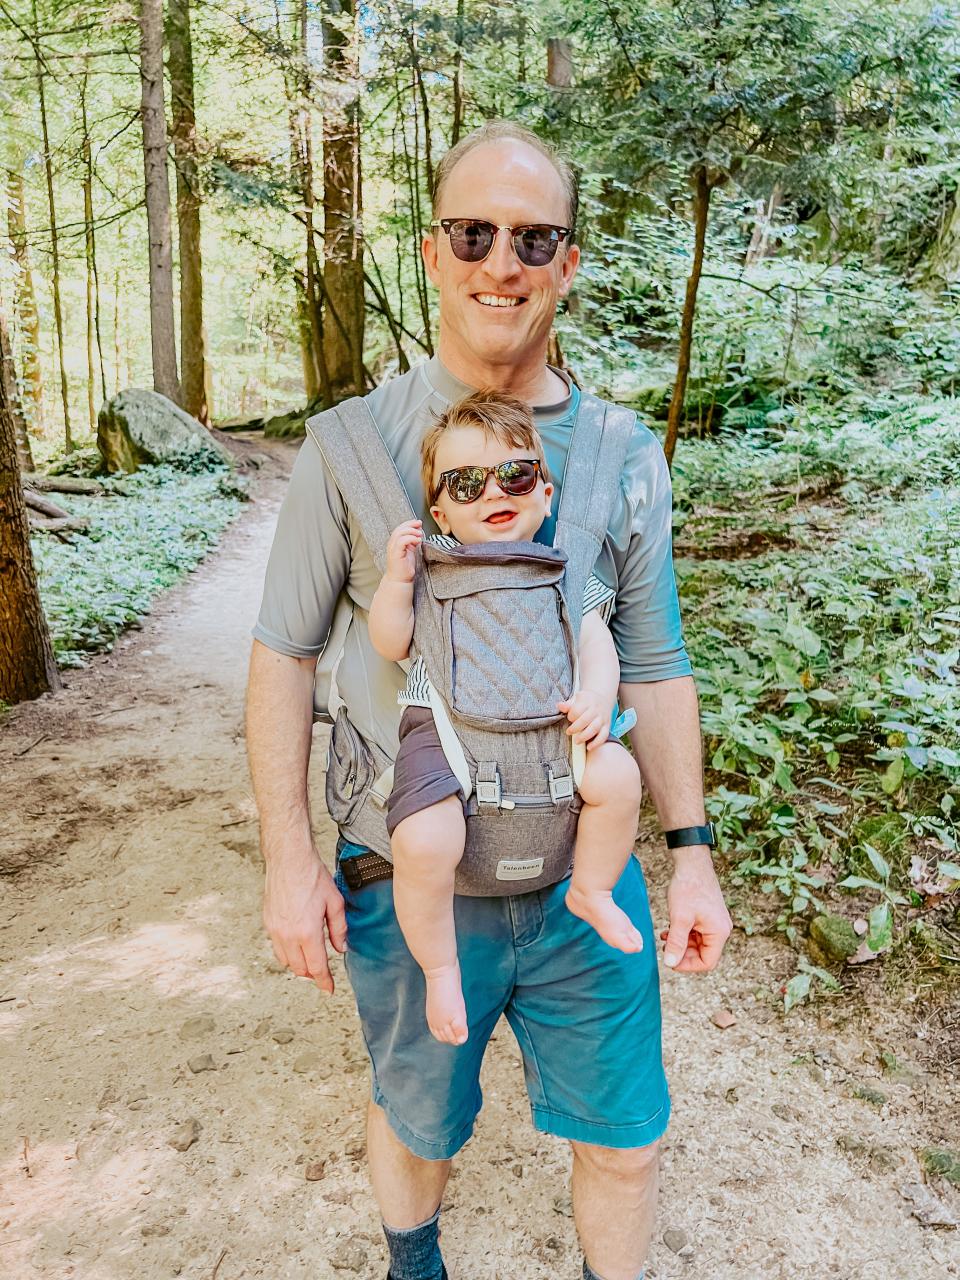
x,y
390,622
590,709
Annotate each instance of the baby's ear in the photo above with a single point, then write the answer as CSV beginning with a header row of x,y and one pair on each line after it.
x,y
548,491
440,519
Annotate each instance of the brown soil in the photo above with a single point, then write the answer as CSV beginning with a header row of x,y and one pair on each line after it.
x,y
132,949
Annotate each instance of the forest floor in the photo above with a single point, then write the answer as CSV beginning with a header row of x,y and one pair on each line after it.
x,y
140,1007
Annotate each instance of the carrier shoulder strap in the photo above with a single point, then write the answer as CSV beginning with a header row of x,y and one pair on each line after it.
x,y
591,481
364,470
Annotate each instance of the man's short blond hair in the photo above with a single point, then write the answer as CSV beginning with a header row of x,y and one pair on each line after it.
x,y
507,131
498,415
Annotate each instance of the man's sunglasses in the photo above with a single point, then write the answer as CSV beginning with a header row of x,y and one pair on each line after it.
x,y
471,239
466,484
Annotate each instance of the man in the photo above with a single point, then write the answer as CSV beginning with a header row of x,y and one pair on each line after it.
x,y
592,1065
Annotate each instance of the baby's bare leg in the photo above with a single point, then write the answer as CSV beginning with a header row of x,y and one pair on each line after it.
x,y
427,848
611,794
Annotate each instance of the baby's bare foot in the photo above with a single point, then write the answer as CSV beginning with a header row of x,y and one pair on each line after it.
x,y
446,1012
598,908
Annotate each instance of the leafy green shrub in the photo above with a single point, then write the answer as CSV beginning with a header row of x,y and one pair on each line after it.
x,y
138,545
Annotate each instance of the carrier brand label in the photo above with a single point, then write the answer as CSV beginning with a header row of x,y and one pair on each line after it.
x,y
519,870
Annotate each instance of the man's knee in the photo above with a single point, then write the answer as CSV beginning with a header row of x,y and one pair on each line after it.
x,y
630,1165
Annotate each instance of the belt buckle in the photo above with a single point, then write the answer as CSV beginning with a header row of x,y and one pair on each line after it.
x,y
352,873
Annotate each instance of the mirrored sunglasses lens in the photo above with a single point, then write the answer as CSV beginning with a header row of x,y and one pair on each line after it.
x,y
471,241
466,484
536,246
516,477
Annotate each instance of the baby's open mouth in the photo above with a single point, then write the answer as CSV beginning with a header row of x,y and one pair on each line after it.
x,y
500,517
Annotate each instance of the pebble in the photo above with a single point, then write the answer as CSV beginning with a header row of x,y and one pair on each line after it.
x,y
261,1028
314,1170
283,1035
675,1239
723,1019
306,1062
349,1257
194,1027
563,1205
185,1135
204,1062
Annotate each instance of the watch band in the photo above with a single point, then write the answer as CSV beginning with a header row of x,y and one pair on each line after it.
x,y
681,837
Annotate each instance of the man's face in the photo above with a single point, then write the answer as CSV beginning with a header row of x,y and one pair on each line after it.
x,y
507,183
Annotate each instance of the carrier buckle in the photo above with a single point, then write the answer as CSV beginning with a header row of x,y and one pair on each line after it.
x,y
561,788
489,790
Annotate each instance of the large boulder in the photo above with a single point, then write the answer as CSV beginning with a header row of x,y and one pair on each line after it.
x,y
138,427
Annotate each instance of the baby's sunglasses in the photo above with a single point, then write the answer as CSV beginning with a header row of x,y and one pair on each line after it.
x,y
471,239
466,484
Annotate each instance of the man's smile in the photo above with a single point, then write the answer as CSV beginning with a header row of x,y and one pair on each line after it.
x,y
498,299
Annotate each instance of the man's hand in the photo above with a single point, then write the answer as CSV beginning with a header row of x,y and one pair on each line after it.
x,y
299,899
589,716
699,920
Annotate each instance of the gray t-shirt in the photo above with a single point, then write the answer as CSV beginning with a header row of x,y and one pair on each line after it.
x,y
321,576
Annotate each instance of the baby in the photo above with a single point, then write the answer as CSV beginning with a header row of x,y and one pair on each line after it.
x,y
486,480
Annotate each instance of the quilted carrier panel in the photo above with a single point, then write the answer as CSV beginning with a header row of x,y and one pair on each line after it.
x,y
509,654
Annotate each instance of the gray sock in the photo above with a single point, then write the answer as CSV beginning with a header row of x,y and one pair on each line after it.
x,y
415,1251
590,1274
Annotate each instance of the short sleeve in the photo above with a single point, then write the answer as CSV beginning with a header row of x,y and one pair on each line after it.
x,y
646,625
309,561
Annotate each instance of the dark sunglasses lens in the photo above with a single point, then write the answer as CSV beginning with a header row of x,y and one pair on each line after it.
x,y
516,477
466,483
471,241
536,246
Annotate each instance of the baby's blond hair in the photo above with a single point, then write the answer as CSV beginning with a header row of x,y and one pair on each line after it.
x,y
497,414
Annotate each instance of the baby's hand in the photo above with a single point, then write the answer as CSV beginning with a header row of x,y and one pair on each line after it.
x,y
402,551
589,716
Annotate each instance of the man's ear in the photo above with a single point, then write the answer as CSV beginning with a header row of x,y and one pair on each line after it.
x,y
428,251
568,269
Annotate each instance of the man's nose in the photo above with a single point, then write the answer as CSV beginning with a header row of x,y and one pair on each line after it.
x,y
502,262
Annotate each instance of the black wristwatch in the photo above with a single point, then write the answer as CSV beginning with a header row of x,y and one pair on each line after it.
x,y
681,837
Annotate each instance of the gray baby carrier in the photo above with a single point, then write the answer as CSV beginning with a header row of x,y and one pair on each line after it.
x,y
497,626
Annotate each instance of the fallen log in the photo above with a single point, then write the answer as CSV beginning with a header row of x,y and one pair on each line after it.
x,y
44,506
63,484
69,524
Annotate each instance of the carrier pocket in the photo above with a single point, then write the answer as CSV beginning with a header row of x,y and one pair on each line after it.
x,y
350,771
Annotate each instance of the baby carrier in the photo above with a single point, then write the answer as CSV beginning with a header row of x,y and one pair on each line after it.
x,y
497,626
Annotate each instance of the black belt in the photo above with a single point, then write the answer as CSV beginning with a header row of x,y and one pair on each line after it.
x,y
364,869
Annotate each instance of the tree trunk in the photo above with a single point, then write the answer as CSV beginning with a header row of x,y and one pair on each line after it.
x,y
25,301
54,239
522,11
759,240
157,189
701,208
11,398
87,182
457,125
342,203
559,63
184,132
27,666
308,283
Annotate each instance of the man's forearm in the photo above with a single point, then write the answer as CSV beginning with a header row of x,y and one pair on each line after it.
x,y
279,729
666,744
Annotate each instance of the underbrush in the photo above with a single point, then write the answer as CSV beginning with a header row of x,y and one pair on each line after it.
x,y
828,668
158,526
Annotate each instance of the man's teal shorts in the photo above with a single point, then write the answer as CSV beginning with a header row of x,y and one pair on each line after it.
x,y
586,1017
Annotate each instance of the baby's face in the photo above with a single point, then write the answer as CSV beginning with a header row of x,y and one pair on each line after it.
x,y
495,516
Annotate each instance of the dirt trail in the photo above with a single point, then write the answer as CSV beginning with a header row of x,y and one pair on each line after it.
x,y
138,995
